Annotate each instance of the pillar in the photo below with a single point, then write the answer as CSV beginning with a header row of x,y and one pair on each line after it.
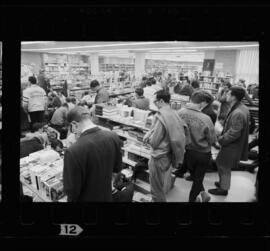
x,y
94,63
139,64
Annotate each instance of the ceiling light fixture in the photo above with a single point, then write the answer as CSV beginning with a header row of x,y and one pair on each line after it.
x,y
103,45
37,42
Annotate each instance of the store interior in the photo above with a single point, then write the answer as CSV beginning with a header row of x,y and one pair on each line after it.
x,y
67,69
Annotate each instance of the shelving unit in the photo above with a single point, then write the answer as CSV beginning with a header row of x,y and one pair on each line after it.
x,y
170,66
212,83
117,67
66,67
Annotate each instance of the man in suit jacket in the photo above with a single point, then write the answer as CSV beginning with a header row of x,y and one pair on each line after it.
x,y
233,140
89,163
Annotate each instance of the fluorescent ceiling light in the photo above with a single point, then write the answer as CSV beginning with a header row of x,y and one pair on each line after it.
x,y
37,42
102,45
224,46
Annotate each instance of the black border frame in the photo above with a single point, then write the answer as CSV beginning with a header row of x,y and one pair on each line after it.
x,y
188,22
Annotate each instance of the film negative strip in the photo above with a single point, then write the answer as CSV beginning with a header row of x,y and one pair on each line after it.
x,y
126,23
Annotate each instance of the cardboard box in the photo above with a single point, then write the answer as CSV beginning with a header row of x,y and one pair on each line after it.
x,y
36,172
47,185
57,190
46,177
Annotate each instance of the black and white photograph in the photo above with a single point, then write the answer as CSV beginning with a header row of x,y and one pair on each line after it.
x,y
139,121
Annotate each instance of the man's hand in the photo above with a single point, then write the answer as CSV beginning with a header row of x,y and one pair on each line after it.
x,y
145,139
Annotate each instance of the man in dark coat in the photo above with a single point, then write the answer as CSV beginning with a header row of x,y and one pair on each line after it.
x,y
90,162
233,140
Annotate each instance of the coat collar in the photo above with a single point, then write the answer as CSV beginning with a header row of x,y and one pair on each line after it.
x,y
91,130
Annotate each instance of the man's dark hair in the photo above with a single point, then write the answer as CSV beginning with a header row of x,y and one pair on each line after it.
x,y
195,84
144,78
153,81
209,99
164,95
148,82
199,96
238,92
32,80
36,126
139,91
94,84
228,84
65,105
73,100
55,143
77,114
242,80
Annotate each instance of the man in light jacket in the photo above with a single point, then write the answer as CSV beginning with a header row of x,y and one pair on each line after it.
x,y
34,101
233,140
167,139
202,137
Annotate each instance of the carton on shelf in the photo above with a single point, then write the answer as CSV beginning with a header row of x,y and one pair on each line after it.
x,y
46,178
35,172
47,186
57,190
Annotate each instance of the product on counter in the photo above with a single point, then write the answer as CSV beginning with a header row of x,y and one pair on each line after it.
x,y
45,156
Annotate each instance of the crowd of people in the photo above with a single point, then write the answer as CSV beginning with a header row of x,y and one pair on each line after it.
x,y
179,140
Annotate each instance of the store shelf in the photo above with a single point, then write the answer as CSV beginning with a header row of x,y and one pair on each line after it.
x,y
142,154
129,162
123,123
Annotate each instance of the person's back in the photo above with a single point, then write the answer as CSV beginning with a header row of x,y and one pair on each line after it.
x,y
98,154
208,110
141,103
201,128
36,97
59,116
186,90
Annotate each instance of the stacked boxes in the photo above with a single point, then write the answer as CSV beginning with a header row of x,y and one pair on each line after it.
x,y
46,177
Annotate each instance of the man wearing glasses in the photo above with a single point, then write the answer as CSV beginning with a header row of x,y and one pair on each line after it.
x,y
90,161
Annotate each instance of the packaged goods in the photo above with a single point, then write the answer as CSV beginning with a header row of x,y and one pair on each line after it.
x,y
128,173
57,190
35,172
49,156
140,115
139,197
45,156
43,181
47,186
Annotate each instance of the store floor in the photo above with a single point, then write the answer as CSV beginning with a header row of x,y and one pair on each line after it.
x,y
242,188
